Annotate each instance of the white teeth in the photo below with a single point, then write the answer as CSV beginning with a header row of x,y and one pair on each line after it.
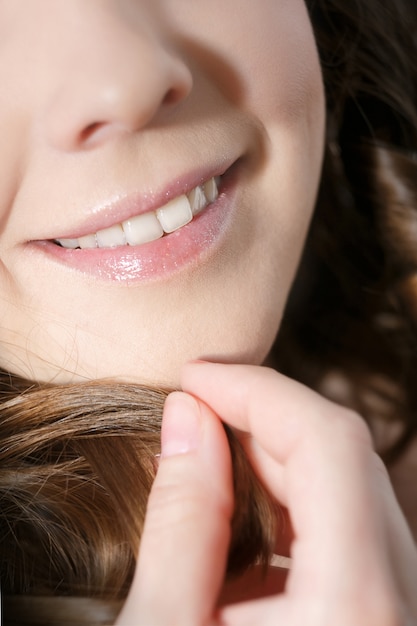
x,y
175,214
210,190
69,243
89,241
111,237
142,229
198,200
153,225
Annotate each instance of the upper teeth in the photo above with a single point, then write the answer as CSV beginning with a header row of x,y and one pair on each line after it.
x,y
153,225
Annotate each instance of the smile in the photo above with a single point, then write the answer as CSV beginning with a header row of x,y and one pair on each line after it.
x,y
152,225
152,239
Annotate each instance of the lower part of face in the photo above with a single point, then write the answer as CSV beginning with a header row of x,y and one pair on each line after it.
x,y
116,108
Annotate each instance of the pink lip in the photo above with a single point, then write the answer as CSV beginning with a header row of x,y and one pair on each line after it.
x,y
156,260
125,208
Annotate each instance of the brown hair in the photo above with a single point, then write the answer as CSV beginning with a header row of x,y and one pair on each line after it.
x,y
77,461
76,466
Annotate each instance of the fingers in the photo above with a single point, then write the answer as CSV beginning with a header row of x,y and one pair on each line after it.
x,y
187,529
321,457
251,398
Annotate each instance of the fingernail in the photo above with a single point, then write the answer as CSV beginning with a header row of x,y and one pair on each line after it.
x,y
180,425
155,461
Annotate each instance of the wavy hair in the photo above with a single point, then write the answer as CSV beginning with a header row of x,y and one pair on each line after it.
x,y
351,322
77,461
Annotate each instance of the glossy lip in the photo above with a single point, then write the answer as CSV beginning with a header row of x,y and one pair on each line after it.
x,y
159,259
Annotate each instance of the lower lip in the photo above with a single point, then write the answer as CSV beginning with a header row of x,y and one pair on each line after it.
x,y
159,259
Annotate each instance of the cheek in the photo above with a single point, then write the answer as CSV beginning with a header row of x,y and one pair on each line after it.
x,y
270,45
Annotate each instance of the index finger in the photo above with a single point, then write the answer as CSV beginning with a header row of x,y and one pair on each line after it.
x,y
251,398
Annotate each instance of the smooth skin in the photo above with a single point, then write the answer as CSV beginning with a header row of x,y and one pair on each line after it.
x,y
127,98
354,561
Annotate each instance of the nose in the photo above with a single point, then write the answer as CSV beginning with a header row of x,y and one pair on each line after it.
x,y
114,77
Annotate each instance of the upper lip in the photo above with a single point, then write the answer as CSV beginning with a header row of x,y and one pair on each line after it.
x,y
125,206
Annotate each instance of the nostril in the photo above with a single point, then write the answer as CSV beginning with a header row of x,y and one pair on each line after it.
x,y
172,97
96,132
90,130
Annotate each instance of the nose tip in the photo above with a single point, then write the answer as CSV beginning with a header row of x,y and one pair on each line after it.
x,y
109,96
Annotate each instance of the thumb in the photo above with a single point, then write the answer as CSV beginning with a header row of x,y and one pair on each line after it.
x,y
184,546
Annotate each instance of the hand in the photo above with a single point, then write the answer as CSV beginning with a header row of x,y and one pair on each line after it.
x,y
354,560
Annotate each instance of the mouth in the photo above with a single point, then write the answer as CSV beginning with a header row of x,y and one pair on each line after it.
x,y
153,240
152,225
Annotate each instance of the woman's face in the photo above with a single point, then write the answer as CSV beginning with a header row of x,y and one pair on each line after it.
x,y
119,119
